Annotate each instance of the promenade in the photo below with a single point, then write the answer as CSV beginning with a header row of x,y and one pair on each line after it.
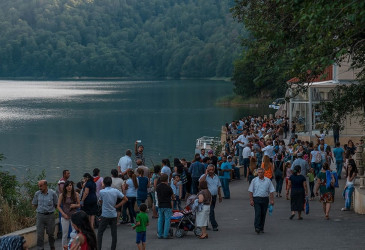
x,y
344,230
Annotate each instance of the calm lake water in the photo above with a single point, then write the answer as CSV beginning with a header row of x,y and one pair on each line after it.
x,y
80,125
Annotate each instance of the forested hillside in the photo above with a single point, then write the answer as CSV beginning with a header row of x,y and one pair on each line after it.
x,y
117,38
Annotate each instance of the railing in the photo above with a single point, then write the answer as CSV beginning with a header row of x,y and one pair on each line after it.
x,y
207,142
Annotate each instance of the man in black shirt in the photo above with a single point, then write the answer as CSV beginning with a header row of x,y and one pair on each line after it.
x,y
164,197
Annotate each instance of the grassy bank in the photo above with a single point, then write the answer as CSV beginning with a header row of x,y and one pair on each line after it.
x,y
236,100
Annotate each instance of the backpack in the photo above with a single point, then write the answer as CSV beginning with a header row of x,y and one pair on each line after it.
x,y
318,158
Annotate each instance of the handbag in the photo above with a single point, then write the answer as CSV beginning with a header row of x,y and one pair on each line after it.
x,y
306,205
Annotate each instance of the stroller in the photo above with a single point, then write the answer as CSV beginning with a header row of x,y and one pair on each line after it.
x,y
184,221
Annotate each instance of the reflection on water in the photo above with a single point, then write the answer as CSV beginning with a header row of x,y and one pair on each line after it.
x,y
80,125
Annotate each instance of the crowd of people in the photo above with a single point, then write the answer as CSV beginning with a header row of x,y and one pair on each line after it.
x,y
121,198
255,145
259,146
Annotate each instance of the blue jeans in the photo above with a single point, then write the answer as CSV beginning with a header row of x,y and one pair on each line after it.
x,y
317,167
194,185
348,196
130,206
177,203
279,185
225,187
240,159
339,165
140,201
236,173
163,224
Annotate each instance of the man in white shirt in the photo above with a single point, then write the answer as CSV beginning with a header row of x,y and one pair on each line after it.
x,y
125,163
269,149
261,188
166,169
246,155
242,141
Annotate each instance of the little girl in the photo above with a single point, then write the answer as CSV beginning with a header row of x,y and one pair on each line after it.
x,y
311,181
287,173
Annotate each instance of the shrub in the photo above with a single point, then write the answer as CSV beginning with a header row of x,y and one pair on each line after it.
x,y
16,210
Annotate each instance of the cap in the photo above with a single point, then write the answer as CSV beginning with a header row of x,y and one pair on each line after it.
x,y
210,152
300,154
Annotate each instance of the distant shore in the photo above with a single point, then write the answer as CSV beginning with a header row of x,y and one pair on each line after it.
x,y
239,101
84,78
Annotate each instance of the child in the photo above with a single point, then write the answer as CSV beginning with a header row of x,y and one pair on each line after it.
x,y
176,186
311,181
140,226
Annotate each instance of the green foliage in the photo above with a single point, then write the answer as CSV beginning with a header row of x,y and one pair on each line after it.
x,y
16,208
8,186
252,81
30,183
117,38
349,100
302,38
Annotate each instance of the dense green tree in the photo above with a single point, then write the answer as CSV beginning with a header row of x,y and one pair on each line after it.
x,y
125,38
301,38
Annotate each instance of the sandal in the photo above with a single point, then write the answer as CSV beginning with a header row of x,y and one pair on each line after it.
x,y
327,217
291,216
204,237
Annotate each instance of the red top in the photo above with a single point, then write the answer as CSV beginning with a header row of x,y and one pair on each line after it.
x,y
84,246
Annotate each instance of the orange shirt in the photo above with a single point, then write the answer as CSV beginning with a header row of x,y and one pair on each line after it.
x,y
268,172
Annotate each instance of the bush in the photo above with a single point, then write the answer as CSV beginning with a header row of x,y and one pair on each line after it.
x,y
16,210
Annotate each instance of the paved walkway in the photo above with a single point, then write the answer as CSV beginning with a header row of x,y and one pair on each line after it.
x,y
344,230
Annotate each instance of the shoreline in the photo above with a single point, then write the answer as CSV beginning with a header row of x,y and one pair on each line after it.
x,y
239,101
89,78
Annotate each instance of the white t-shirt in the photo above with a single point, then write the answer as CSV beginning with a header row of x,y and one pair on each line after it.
x,y
131,190
166,170
261,187
243,139
269,151
124,163
117,183
246,152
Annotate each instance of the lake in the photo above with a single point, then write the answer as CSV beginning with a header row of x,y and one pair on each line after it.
x,y
81,125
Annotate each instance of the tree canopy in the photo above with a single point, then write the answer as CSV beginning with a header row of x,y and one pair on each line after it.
x,y
302,38
117,38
